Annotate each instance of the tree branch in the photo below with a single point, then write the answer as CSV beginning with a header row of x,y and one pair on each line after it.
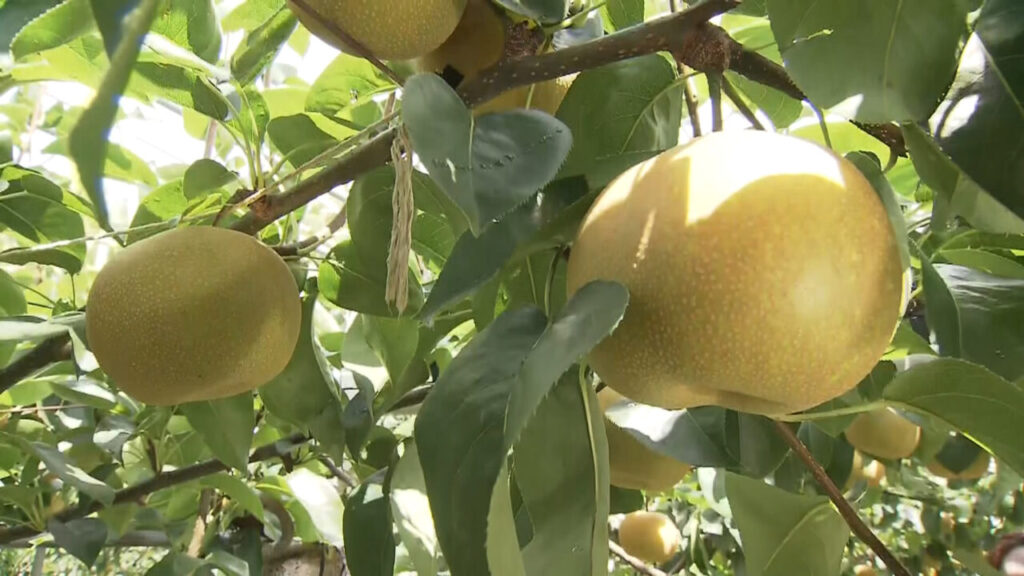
x,y
710,48
665,33
45,353
860,529
159,482
636,563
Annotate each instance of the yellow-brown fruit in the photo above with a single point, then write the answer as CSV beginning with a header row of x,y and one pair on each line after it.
x,y
649,536
873,473
390,29
479,42
633,465
764,275
884,434
192,314
977,469
864,570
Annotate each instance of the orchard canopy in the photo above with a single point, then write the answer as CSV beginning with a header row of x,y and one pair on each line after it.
x,y
512,287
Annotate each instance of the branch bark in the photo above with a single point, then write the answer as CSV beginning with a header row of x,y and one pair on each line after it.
x,y
159,482
860,529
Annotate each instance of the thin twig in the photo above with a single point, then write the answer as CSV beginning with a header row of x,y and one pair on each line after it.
x,y
692,106
346,478
159,482
860,529
636,563
715,95
737,100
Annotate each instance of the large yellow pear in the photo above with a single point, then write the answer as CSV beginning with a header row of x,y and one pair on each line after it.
x,y
650,536
977,469
196,313
884,434
763,274
864,570
390,29
633,465
478,42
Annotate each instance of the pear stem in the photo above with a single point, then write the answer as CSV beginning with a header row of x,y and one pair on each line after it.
x,y
859,528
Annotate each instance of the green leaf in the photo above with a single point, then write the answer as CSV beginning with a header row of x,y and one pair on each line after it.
x,y
350,282
189,88
89,137
161,205
238,490
83,538
475,260
956,193
460,439
987,262
55,27
175,564
191,24
299,138
782,109
305,388
976,316
629,110
785,534
562,473
36,209
619,14
206,176
410,509
30,328
970,398
230,564
369,544
346,82
120,163
394,340
543,11
260,46
487,165
982,127
872,170
226,426
12,303
58,463
591,314
896,58
321,501
250,14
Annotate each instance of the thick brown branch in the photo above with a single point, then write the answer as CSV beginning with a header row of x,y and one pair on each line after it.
x,y
45,353
860,529
656,35
710,48
374,153
159,482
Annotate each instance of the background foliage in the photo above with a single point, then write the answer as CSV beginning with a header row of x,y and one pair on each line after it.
x,y
231,111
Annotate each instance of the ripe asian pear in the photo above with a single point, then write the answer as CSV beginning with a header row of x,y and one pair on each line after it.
x,y
883,433
389,29
631,464
764,274
195,313
650,536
